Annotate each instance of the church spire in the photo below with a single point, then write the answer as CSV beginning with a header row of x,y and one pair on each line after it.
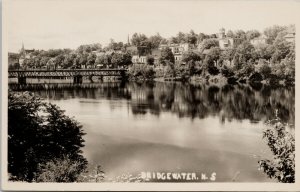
x,y
22,51
128,42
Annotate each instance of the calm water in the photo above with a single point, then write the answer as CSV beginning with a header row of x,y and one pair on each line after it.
x,y
174,127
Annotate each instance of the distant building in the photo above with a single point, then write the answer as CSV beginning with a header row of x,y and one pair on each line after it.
x,y
290,37
136,59
259,40
227,42
25,54
177,50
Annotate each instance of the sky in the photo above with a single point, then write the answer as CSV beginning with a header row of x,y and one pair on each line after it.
x,y
51,24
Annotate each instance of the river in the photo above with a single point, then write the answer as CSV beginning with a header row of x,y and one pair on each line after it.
x,y
174,127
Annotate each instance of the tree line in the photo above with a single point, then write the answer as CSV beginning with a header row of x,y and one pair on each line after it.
x,y
202,60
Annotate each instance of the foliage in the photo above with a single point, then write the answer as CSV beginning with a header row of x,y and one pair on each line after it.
x,y
60,170
265,70
246,70
252,34
282,145
120,59
244,52
190,56
141,71
166,56
227,71
272,32
169,71
209,43
150,60
39,132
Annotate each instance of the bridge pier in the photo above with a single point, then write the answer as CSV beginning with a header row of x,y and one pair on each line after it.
x,y
22,80
77,79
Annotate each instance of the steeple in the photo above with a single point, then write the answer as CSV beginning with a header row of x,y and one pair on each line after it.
x,y
22,51
128,42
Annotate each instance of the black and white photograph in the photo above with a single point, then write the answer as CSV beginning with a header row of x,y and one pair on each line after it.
x,y
140,95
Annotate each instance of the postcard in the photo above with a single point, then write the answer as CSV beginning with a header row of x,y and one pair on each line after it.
x,y
150,95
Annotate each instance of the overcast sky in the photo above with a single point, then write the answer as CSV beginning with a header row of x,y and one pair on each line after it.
x,y
45,24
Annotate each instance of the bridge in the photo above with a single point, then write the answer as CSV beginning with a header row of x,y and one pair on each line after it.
x,y
76,74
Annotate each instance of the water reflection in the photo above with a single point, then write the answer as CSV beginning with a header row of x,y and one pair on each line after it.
x,y
255,102
173,127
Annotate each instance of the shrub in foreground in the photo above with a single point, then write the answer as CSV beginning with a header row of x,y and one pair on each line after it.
x,y
38,133
282,145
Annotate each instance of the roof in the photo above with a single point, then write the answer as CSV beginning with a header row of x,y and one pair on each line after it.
x,y
205,51
290,35
156,52
131,48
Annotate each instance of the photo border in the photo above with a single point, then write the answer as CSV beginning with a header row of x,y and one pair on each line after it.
x,y
216,186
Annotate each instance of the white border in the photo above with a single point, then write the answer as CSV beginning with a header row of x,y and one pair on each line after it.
x,y
5,185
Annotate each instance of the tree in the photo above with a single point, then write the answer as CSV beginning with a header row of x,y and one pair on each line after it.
x,y
228,54
37,133
155,41
209,43
264,51
115,45
244,52
240,34
116,60
104,59
252,34
201,37
282,145
120,59
69,60
44,61
138,39
91,59
59,60
150,60
272,32
211,60
166,55
181,37
265,70
190,56
230,34
191,38
282,49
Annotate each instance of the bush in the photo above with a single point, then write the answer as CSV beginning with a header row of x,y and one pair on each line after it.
x,y
265,70
227,72
60,170
213,70
256,77
246,70
141,71
282,145
39,132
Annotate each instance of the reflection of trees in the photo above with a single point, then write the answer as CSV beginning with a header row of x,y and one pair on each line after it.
x,y
229,102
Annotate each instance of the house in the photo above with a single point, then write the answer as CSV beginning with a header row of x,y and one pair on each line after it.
x,y
227,42
290,37
259,40
137,59
177,50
